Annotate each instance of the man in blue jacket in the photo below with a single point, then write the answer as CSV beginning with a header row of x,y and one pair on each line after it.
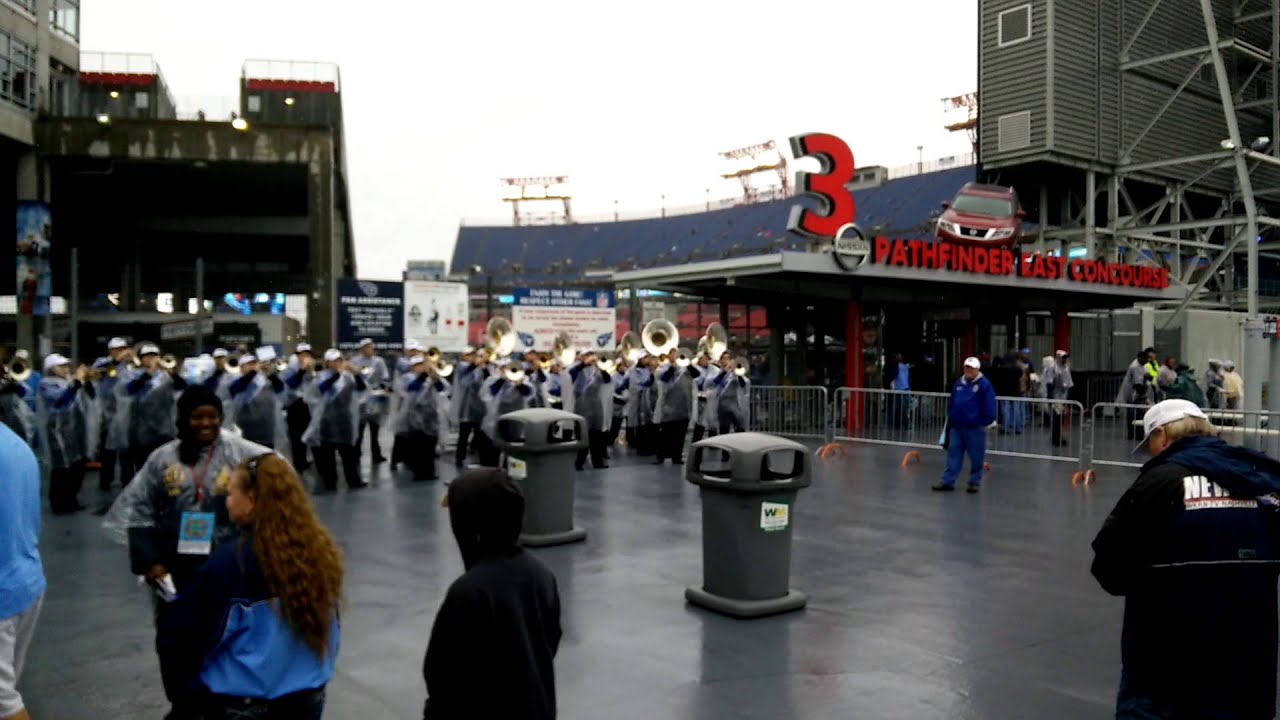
x,y
971,409
1193,546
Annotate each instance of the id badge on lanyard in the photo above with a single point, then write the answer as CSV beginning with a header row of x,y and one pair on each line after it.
x,y
195,533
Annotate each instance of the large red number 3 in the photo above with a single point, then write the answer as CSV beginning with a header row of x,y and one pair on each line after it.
x,y
828,187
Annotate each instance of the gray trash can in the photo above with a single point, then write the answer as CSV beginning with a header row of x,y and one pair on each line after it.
x,y
541,445
748,485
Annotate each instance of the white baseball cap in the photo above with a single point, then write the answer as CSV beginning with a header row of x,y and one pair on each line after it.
x,y
1165,412
365,343
332,354
416,360
148,349
302,347
54,360
220,352
412,344
116,343
973,362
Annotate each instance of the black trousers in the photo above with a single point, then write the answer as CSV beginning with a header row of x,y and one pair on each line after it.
x,y
138,456
486,451
183,701
419,453
64,488
327,466
647,439
596,447
615,428
109,459
671,440
699,432
375,447
729,423
465,431
1055,423
630,436
297,417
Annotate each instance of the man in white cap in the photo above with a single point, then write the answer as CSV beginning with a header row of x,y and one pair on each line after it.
x,y
297,416
149,401
970,410
334,399
218,378
63,407
1058,383
113,440
467,406
378,402
251,403
1194,548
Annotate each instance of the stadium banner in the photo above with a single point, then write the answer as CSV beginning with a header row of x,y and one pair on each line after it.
x,y
370,309
539,314
436,314
35,280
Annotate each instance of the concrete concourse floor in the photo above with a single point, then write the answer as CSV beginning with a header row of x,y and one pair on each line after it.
x,y
921,605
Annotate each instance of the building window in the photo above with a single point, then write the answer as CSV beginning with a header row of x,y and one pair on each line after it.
x,y
255,103
17,72
1015,26
64,15
142,100
28,5
61,85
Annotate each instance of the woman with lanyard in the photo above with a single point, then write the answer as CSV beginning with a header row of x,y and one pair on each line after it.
x,y
174,512
255,632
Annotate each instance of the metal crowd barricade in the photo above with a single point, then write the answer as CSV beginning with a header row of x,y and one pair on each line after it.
x,y
794,411
1102,389
1025,427
1115,430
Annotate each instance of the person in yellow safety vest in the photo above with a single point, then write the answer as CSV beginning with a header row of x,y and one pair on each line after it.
x,y
1152,367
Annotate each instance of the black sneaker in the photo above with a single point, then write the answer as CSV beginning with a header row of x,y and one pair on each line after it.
x,y
943,488
972,489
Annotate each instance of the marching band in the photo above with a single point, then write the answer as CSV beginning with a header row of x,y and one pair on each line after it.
x,y
644,395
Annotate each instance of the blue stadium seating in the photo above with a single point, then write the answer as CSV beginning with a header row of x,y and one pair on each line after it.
x,y
560,254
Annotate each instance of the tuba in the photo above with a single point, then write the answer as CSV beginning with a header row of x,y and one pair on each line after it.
x,y
18,370
499,337
544,361
659,337
631,347
440,367
715,342
562,351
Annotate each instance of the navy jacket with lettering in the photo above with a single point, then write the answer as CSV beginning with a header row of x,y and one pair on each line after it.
x,y
1194,547
973,404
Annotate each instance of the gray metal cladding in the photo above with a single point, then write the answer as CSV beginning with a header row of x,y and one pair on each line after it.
x,y
1013,78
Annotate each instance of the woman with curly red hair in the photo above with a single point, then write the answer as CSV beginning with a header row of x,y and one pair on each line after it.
x,y
256,629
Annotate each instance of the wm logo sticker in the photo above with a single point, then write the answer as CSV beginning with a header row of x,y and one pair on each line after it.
x,y
774,516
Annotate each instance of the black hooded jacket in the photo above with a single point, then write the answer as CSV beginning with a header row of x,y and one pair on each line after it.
x,y
1194,546
497,632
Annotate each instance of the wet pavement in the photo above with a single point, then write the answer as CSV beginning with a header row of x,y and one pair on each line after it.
x,y
921,605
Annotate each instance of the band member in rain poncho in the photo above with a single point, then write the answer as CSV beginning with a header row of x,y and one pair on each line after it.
x,y
145,403
507,391
638,411
251,402
297,416
619,409
377,404
334,398
675,384
706,414
732,397
467,407
65,410
420,416
553,388
411,348
113,436
174,512
220,376
14,411
593,400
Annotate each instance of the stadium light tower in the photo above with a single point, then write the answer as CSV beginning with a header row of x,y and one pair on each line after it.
x,y
969,104
752,160
536,189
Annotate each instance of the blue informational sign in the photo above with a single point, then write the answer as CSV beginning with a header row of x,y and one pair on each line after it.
x,y
559,297
35,236
370,309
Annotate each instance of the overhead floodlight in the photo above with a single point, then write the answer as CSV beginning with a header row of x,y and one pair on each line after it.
x,y
240,124
104,119
1261,144
1227,144
115,94
288,101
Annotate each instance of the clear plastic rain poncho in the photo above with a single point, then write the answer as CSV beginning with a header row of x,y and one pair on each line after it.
x,y
733,397
251,405
675,393
145,403
592,395
67,414
466,405
707,397
422,404
555,389
113,418
334,399
638,411
377,404
147,513
502,396
14,411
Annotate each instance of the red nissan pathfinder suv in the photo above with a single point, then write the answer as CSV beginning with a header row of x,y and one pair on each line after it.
x,y
981,215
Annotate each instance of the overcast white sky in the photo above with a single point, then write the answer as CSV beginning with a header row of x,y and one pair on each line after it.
x,y
630,100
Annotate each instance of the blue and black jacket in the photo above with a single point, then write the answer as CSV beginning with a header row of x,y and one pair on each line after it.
x,y
226,635
1194,548
972,404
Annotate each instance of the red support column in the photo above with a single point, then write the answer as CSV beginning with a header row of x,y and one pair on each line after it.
x,y
967,341
1061,331
853,373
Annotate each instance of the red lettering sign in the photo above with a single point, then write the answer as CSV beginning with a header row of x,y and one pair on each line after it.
x,y
828,187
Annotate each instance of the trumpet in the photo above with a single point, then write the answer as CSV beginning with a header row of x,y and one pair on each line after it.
x,y
433,354
741,367
608,365
18,370
280,365
440,367
660,337
683,358
513,373
562,350
545,361
168,362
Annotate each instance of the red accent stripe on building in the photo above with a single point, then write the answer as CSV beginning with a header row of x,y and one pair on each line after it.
x,y
120,79
299,86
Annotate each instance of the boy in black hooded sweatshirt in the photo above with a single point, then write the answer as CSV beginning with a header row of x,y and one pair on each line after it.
x,y
496,635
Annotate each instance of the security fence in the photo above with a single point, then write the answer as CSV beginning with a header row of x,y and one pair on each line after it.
x,y
794,411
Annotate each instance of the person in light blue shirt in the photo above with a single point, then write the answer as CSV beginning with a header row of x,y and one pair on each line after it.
x,y
900,380
22,582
